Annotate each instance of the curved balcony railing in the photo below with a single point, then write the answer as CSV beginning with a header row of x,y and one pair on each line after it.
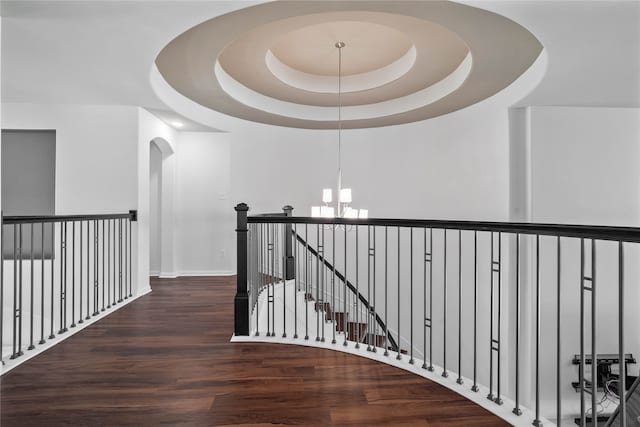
x,y
516,310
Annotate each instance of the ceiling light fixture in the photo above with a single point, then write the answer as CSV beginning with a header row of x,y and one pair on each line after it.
x,y
341,208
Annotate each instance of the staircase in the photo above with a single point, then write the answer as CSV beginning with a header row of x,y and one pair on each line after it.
x,y
356,331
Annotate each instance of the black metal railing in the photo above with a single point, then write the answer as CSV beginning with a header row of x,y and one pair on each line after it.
x,y
502,307
58,272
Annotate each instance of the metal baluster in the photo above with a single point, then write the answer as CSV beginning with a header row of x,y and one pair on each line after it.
x,y
459,379
260,267
73,274
80,318
41,284
498,399
490,395
103,264
622,367
323,293
53,238
516,409
475,387
14,353
119,261
594,354
333,284
373,310
115,278
558,339
444,316
96,268
424,294
130,260
88,268
306,282
583,416
1,287
63,278
274,276
537,421
399,357
386,290
124,261
430,368
108,263
294,240
31,345
269,279
20,294
318,303
284,282
368,334
411,361
345,326
357,296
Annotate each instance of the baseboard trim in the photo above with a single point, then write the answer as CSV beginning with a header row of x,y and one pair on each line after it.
x,y
206,273
193,274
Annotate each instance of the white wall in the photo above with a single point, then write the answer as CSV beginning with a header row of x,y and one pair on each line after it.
x,y
575,165
203,209
95,153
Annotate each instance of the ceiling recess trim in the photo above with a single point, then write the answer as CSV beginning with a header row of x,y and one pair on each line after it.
x,y
426,96
446,57
351,83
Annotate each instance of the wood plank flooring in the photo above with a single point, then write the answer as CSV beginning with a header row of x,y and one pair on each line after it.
x,y
166,360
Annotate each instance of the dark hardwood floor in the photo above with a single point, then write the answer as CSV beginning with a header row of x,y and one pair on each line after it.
x,y
166,360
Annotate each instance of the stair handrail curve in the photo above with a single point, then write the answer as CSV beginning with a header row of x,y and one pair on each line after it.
x,y
280,216
392,342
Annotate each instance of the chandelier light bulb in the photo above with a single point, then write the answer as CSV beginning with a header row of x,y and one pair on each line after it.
x,y
345,195
327,212
327,195
350,213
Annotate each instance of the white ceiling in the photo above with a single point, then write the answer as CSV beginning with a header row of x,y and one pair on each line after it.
x,y
101,52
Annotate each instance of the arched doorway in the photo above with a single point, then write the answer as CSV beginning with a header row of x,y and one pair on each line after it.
x,y
161,187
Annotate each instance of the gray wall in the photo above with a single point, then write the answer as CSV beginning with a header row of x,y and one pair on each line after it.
x,y
28,184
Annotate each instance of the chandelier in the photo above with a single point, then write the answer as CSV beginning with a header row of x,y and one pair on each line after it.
x,y
341,209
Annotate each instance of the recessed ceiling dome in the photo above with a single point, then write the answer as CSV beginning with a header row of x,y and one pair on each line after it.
x,y
277,62
311,48
375,55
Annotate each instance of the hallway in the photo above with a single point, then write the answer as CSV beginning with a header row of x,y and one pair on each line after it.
x,y
166,359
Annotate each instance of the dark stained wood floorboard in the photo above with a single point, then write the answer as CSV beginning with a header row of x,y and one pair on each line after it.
x,y
166,360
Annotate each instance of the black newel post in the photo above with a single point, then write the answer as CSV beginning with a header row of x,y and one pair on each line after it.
x,y
241,300
290,266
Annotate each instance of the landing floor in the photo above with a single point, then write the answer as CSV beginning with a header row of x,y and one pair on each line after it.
x,y
166,359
